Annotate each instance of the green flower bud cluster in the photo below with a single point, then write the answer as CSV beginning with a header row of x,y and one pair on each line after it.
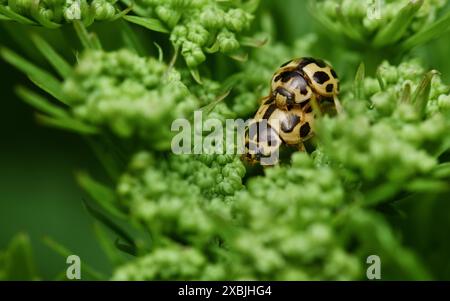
x,y
182,201
391,142
130,95
200,26
370,18
285,219
51,13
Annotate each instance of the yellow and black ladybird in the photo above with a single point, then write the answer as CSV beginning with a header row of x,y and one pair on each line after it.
x,y
299,80
272,127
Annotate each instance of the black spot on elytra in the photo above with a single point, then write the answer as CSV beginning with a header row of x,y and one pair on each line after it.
x,y
334,73
269,111
289,123
304,130
269,101
285,64
301,84
309,109
305,62
286,76
305,103
309,60
289,96
320,77
329,88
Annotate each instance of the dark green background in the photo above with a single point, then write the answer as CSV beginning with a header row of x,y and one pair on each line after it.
x,y
39,196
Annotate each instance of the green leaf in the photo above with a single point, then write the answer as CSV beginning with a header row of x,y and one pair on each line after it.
x,y
107,245
149,23
126,248
131,39
253,42
196,75
19,259
4,18
87,40
108,157
6,11
109,223
427,185
41,78
103,195
406,94
67,123
58,63
428,33
65,252
422,93
40,103
442,171
359,81
392,32
36,13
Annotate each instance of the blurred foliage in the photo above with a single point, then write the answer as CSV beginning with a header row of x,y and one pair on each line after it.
x,y
375,182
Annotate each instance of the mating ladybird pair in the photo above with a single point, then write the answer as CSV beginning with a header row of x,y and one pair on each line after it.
x,y
286,116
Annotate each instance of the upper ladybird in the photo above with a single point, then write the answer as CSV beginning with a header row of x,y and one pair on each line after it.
x,y
296,81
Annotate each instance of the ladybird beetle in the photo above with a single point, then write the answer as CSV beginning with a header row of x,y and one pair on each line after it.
x,y
286,116
299,80
273,127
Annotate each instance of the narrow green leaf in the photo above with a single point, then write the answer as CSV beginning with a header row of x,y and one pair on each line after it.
x,y
103,195
442,171
65,252
36,14
240,57
122,13
392,32
251,5
359,81
109,223
84,36
68,124
380,80
58,63
131,39
209,107
41,103
422,93
196,75
406,94
126,248
427,185
149,23
428,33
107,157
4,18
6,11
107,245
160,52
41,78
253,42
348,27
19,259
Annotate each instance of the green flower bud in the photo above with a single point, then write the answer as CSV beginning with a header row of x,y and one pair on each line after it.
x,y
103,10
197,34
227,41
237,20
193,54
178,35
212,17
